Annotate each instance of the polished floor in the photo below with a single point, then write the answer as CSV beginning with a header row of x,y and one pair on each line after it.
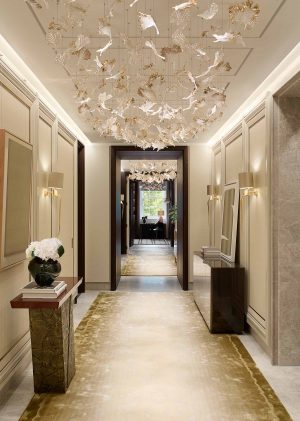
x,y
149,356
284,380
149,260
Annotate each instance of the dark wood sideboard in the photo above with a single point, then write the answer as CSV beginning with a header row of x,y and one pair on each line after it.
x,y
219,292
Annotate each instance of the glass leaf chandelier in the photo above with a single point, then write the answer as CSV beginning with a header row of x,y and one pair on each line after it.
x,y
153,172
141,86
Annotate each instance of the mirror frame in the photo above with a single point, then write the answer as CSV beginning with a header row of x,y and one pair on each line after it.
x,y
235,186
17,256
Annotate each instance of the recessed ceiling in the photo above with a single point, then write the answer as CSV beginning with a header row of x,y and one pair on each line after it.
x,y
268,43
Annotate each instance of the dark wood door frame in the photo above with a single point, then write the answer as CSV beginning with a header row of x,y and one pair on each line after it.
x,y
81,214
179,153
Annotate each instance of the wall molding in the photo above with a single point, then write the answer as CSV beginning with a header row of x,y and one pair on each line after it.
x,y
217,148
233,134
15,360
66,133
258,324
16,82
46,114
260,328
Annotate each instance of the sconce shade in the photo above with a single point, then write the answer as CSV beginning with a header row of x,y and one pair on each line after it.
x,y
246,180
217,190
56,180
210,190
122,197
160,213
213,190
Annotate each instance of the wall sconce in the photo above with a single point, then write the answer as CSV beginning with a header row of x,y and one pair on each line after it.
x,y
246,182
122,198
55,182
213,191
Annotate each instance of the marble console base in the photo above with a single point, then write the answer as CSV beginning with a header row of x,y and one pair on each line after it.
x,y
52,341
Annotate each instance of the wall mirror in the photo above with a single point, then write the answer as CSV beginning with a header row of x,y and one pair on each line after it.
x,y
15,197
229,221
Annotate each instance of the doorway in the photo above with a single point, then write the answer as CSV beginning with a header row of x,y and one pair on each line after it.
x,y
147,239
118,153
81,214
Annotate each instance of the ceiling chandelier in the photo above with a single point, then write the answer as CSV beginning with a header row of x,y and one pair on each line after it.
x,y
152,172
153,186
125,84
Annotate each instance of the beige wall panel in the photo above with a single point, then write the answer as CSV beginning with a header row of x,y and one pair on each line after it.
x,y
218,168
13,323
199,175
97,213
218,203
233,159
15,116
44,166
65,164
258,256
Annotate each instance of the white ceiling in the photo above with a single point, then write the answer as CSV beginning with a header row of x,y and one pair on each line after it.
x,y
276,33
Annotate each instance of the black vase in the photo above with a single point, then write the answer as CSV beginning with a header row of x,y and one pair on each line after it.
x,y
44,272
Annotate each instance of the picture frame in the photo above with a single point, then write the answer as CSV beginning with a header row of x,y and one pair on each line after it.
x,y
15,198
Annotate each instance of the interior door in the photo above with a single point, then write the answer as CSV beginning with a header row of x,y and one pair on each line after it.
x,y
182,228
81,215
115,220
132,211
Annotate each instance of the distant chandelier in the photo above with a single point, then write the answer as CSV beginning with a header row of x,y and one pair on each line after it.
x,y
153,186
153,172
135,88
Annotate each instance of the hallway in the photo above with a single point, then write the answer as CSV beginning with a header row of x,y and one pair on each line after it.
x,y
149,356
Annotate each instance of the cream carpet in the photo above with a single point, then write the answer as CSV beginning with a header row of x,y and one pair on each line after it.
x,y
154,265
149,357
149,260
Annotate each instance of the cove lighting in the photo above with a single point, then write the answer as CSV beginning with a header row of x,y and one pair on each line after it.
x,y
285,71
14,62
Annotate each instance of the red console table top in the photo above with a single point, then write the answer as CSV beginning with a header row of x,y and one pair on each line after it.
x,y
72,284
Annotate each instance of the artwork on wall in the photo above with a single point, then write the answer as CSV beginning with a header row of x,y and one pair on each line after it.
x,y
229,221
15,198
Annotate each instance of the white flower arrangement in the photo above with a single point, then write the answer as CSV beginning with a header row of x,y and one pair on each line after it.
x,y
47,249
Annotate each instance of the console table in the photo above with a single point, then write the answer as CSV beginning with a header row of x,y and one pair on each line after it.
x,y
219,292
52,338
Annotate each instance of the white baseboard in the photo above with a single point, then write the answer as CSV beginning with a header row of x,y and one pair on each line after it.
x,y
258,328
14,362
98,286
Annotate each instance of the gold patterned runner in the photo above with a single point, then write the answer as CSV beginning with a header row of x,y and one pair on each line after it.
x,y
149,357
154,265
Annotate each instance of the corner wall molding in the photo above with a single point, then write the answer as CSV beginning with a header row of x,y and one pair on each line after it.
x,y
257,323
65,132
43,109
16,81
